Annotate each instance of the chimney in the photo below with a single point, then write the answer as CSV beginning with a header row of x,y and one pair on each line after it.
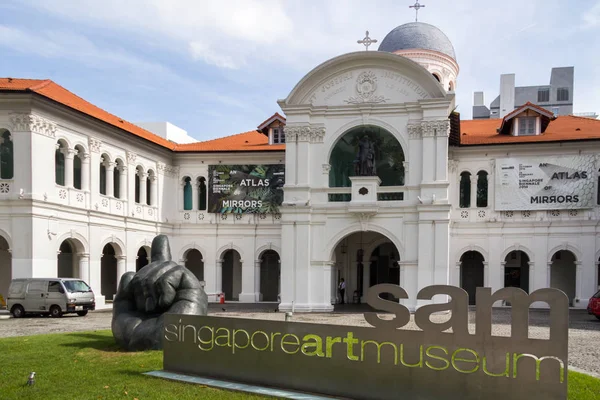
x,y
507,94
478,99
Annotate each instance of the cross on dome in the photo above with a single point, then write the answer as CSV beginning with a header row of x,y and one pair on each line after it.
x,y
367,41
417,6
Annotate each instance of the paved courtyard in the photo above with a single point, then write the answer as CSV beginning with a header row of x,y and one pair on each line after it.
x,y
584,329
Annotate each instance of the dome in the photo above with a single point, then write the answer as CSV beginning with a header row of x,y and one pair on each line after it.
x,y
417,35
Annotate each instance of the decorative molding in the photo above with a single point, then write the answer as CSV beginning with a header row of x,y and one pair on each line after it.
x,y
405,164
492,163
365,88
304,134
317,134
131,157
326,169
414,131
453,165
95,145
22,122
436,128
291,133
168,170
364,218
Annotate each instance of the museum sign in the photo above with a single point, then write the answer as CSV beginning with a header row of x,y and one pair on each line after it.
x,y
245,188
545,183
384,361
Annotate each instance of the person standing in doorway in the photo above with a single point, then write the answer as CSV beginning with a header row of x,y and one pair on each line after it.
x,y
342,289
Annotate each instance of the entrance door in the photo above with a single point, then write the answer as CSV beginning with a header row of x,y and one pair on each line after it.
x,y
471,273
269,276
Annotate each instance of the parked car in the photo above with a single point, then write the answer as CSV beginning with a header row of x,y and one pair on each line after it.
x,y
594,305
53,296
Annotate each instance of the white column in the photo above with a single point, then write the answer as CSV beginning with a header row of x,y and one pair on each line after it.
x,y
84,267
143,177
69,155
219,276
121,267
578,278
123,182
531,287
153,191
85,172
549,274
110,181
194,195
257,280
457,281
473,191
248,294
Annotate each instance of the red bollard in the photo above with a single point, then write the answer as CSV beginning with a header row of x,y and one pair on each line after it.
x,y
222,298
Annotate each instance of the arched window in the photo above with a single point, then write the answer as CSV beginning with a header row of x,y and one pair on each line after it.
x,y
79,152
137,187
59,164
102,178
150,182
6,155
598,194
465,190
389,156
450,86
148,188
117,179
436,76
187,193
482,189
202,193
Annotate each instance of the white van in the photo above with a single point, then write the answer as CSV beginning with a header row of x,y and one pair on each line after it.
x,y
54,296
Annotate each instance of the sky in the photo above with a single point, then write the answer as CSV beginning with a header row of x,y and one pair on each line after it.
x,y
217,68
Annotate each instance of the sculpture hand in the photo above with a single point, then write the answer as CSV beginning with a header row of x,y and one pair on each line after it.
x,y
143,297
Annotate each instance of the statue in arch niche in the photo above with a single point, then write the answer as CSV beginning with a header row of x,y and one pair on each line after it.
x,y
144,297
364,164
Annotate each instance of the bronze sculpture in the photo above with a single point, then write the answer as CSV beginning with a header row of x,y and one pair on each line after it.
x,y
144,297
364,165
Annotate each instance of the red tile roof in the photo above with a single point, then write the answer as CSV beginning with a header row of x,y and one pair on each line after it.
x,y
525,106
59,94
270,120
563,128
247,141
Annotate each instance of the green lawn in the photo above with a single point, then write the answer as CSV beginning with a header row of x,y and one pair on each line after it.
x,y
88,365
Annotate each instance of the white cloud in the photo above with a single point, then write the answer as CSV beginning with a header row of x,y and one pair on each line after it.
x,y
249,39
591,18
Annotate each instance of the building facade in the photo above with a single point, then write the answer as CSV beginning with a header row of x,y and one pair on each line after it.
x,y
284,212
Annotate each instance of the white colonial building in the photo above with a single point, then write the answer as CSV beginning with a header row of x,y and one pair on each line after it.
x,y
283,212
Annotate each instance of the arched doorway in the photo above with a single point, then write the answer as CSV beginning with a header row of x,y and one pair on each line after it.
x,y
232,275
471,273
108,272
195,263
516,270
68,259
5,267
143,258
364,259
270,275
563,273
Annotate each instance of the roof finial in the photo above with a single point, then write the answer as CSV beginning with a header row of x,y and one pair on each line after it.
x,y
416,6
367,41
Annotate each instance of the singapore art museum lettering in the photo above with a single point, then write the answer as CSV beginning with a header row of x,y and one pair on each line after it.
x,y
476,357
